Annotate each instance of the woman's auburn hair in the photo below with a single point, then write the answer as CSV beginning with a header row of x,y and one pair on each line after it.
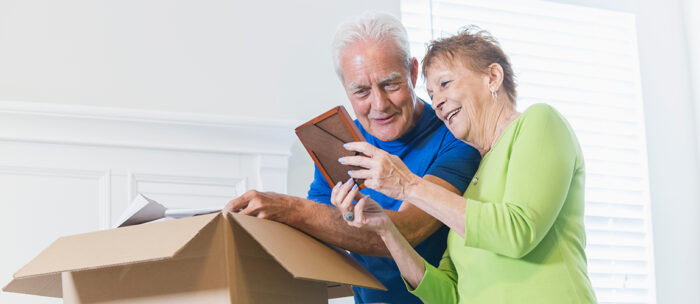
x,y
477,49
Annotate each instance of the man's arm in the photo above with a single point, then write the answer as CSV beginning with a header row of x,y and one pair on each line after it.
x,y
327,224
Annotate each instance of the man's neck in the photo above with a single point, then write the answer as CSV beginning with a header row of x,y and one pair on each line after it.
x,y
418,110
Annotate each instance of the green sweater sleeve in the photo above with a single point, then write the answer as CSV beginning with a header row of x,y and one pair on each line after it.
x,y
539,172
439,285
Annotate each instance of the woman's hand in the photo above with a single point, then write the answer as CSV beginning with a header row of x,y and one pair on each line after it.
x,y
366,214
384,172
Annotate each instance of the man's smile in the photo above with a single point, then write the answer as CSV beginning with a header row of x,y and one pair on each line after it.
x,y
384,119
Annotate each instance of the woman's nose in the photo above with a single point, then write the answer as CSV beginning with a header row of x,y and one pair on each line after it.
x,y
438,102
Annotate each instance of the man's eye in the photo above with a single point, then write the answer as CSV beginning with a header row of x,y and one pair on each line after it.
x,y
392,86
444,83
361,92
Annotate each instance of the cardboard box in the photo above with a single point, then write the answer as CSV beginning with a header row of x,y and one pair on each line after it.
x,y
213,258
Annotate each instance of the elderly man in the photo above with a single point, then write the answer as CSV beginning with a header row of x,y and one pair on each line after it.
x,y
373,61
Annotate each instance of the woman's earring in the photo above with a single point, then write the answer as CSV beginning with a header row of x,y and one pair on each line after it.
x,y
494,95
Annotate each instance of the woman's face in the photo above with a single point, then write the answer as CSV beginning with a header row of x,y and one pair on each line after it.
x,y
459,96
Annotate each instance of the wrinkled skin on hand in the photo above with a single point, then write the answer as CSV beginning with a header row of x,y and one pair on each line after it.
x,y
267,205
383,172
368,214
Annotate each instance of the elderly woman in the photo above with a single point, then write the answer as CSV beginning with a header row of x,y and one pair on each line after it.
x,y
517,233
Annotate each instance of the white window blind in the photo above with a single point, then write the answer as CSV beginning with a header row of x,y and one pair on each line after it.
x,y
582,61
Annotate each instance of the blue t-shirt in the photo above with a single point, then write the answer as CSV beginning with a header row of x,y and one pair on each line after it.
x,y
429,148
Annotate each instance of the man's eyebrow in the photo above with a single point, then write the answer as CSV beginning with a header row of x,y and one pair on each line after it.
x,y
354,86
393,76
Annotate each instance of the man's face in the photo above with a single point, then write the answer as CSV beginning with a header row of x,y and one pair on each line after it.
x,y
380,88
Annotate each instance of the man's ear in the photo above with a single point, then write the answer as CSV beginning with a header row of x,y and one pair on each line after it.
x,y
414,71
495,73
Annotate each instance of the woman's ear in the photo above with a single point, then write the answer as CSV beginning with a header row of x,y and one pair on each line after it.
x,y
495,73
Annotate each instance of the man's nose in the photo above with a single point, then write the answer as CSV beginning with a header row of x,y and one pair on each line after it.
x,y
380,100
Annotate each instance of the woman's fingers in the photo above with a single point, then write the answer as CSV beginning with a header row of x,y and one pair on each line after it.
x,y
341,192
361,174
360,211
358,160
334,194
346,204
362,147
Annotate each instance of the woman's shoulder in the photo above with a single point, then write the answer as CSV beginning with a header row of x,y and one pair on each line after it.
x,y
541,110
543,115
547,123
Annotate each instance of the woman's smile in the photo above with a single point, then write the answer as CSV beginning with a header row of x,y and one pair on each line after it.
x,y
450,115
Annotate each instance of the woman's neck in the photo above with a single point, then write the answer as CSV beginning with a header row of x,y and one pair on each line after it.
x,y
497,119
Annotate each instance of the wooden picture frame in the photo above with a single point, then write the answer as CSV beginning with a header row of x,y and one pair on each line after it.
x,y
324,136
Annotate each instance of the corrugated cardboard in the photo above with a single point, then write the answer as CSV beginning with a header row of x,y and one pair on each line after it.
x,y
214,258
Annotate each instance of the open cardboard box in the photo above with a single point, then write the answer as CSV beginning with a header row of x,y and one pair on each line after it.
x,y
213,258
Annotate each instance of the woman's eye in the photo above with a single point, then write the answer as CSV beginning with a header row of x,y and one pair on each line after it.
x,y
444,83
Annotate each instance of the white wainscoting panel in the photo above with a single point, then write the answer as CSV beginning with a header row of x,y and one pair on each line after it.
x,y
73,169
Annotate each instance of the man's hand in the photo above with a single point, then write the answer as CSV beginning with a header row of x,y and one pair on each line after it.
x,y
267,205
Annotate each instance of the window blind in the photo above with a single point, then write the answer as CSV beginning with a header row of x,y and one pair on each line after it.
x,y
584,62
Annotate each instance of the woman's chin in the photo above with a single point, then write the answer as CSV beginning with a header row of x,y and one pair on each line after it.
x,y
458,132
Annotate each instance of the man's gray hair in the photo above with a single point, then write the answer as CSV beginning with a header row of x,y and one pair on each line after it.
x,y
371,26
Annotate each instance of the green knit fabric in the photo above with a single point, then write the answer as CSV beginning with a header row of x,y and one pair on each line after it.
x,y
524,237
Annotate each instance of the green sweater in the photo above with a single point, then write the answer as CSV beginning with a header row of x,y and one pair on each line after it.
x,y
524,236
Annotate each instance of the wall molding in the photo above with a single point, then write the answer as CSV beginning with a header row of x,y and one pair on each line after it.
x,y
149,129
104,202
240,184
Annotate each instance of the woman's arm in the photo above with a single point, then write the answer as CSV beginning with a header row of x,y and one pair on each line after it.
x,y
410,263
445,206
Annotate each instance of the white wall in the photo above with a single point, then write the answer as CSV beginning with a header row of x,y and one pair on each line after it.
x,y
691,20
673,152
252,58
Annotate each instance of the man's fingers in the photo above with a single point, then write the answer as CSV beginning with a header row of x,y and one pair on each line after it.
x,y
227,207
248,210
236,204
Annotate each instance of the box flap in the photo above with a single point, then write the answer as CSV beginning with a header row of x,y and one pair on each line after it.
x,y
48,286
305,257
133,244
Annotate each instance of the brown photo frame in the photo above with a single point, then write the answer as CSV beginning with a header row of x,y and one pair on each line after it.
x,y
324,136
